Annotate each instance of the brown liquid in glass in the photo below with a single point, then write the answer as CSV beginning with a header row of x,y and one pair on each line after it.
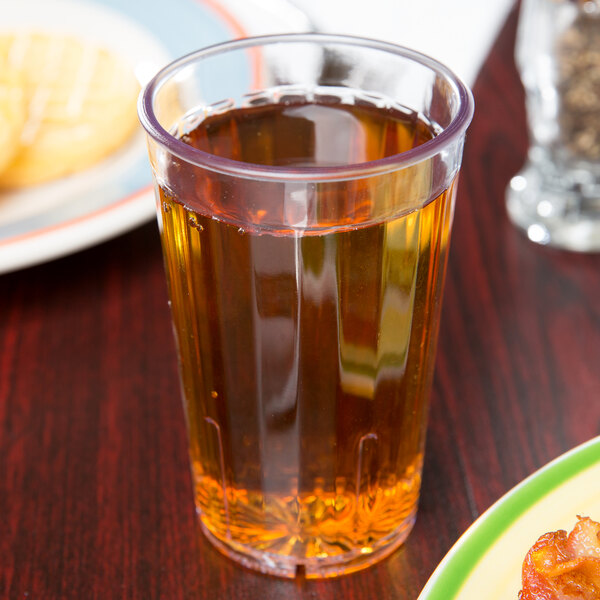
x,y
306,355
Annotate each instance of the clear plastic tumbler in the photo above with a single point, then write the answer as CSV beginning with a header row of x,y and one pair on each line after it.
x,y
305,188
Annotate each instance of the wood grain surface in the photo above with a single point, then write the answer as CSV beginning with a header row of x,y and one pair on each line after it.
x,y
95,492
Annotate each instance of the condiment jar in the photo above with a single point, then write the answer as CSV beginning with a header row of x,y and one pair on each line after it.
x,y
555,199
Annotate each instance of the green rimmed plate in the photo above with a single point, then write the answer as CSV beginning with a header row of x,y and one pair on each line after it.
x,y
486,561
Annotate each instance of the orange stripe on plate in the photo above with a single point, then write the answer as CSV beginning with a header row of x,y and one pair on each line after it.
x,y
65,224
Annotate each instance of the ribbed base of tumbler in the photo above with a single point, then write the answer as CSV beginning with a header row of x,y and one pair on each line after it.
x,y
314,567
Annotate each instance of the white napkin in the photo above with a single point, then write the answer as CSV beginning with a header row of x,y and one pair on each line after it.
x,y
458,33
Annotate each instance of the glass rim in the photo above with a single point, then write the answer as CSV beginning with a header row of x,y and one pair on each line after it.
x,y
447,136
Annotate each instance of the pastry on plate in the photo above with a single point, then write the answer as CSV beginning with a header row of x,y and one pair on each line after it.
x,y
79,101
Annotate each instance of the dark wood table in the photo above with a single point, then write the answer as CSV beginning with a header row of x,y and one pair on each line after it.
x,y
95,492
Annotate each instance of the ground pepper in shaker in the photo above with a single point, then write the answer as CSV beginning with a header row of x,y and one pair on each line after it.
x,y
578,61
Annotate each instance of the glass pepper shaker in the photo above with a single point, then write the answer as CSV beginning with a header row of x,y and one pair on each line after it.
x,y
555,199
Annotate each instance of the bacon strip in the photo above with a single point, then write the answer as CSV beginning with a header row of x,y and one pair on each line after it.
x,y
564,567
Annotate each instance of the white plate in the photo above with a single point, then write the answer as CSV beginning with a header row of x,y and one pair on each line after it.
x,y
486,561
55,219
